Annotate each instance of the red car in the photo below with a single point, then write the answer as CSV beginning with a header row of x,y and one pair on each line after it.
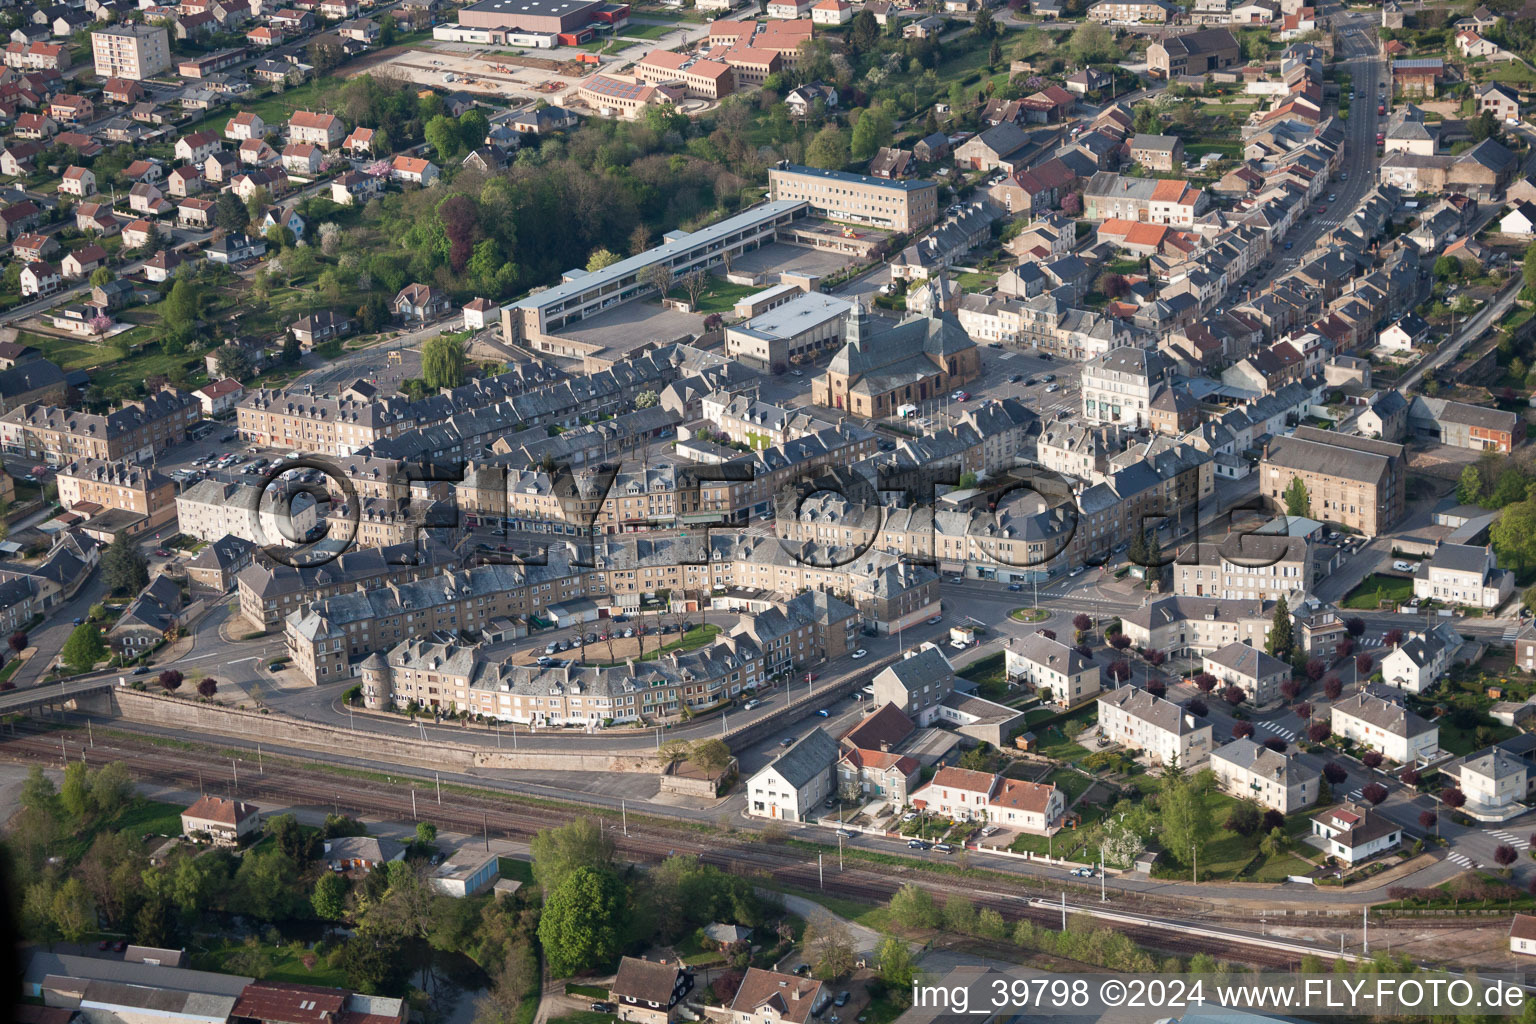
x,y
1381,109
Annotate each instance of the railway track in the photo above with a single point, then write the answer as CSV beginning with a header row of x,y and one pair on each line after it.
x,y
278,780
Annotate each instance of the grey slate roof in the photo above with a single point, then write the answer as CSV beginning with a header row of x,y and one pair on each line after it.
x,y
809,756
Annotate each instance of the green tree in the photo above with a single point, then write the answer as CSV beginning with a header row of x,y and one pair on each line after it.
x,y
75,793
473,126
230,213
1092,43
601,258
100,277
182,306
443,360
580,926
330,896
426,833
1256,46
558,852
1469,489
711,755
1509,488
983,25
1186,818
1447,268
442,134
1297,501
897,968
297,843
233,361
123,569
73,911
662,118
828,149
864,31
1530,265
373,961
912,907
256,203
84,648
111,788
1514,535
872,131
1280,639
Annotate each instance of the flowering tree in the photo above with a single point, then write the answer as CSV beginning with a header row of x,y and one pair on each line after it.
x,y
100,324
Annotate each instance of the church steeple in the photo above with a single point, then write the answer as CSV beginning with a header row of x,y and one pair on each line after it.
x,y
858,325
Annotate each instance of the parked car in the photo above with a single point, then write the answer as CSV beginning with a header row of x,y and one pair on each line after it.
x,y
860,653
1053,388
943,848
1402,566
787,741
823,713
843,833
79,621
162,553
935,620
601,1007
842,999
988,831
751,705
1015,587
916,844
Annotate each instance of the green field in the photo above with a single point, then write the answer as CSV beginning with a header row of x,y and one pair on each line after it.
x,y
1376,588
633,31
285,963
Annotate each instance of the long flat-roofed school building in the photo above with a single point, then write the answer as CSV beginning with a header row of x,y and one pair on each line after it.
x,y
572,21
582,293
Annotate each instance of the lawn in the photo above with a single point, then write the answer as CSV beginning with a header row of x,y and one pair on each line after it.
x,y
1056,740
590,991
274,108
142,817
698,636
286,964
634,31
989,676
516,870
1072,784
1376,588
720,297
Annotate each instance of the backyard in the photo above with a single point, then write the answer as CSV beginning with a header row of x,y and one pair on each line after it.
x,y
1379,588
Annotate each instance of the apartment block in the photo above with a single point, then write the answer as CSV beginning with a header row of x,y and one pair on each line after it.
x,y
131,50
903,206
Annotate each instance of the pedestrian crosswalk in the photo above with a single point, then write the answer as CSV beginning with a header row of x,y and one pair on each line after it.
x,y
1510,633
1511,839
1460,860
1286,734
1357,795
1369,641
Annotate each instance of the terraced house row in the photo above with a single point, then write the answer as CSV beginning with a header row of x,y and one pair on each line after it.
x,y
328,636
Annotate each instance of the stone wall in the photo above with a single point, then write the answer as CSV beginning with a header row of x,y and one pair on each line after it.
x,y
216,719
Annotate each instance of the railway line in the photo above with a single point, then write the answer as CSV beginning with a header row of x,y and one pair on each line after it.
x,y
278,780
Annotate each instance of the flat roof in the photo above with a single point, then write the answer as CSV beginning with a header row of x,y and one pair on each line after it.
x,y
538,8
667,250
795,316
862,179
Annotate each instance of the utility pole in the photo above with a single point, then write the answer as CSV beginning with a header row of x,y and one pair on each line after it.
x,y
1365,921
1103,895
485,829
624,816
821,879
91,733
235,770
260,768
413,803
1063,910
1195,854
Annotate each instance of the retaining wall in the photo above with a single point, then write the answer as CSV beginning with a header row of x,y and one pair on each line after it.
x,y
194,716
